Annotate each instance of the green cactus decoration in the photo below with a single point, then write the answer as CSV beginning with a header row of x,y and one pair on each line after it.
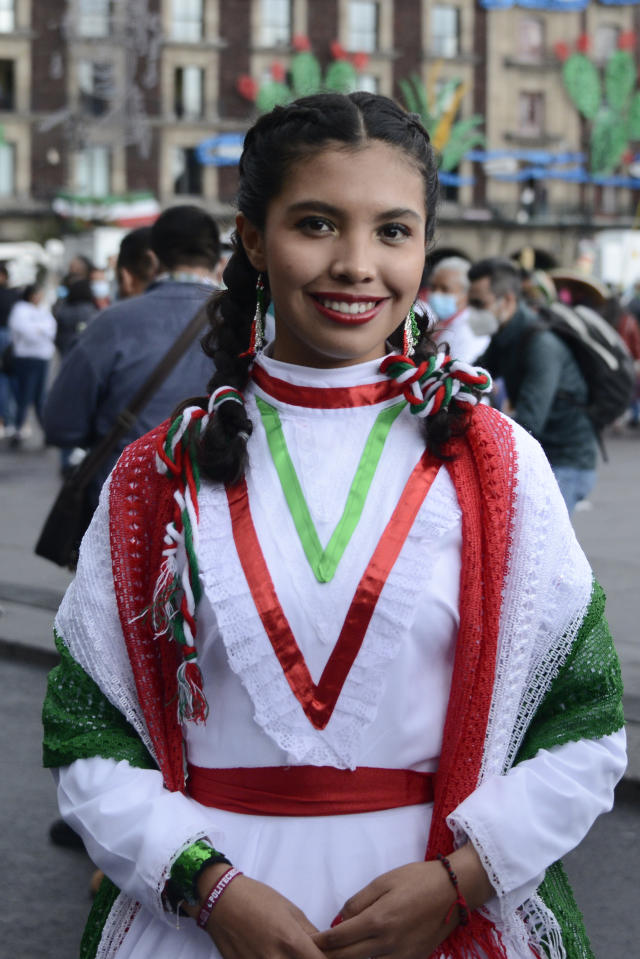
x,y
582,82
612,107
272,94
341,77
304,77
451,138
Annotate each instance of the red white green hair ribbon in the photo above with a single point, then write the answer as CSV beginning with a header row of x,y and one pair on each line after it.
x,y
178,589
431,386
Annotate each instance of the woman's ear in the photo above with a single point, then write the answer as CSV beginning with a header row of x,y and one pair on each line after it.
x,y
252,242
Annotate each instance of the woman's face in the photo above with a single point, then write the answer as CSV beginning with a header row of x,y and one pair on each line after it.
x,y
343,247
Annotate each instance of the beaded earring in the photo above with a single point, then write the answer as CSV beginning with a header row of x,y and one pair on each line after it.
x,y
256,336
411,334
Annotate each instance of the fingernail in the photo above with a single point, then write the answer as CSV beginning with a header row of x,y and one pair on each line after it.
x,y
336,921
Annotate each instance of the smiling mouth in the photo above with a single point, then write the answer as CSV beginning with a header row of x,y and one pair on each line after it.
x,y
351,310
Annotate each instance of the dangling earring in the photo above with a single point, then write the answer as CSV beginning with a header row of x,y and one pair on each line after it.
x,y
256,336
411,333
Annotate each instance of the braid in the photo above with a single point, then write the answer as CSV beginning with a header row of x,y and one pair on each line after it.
x,y
222,451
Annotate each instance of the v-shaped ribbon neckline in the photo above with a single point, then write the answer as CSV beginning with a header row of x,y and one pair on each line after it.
x,y
318,700
324,562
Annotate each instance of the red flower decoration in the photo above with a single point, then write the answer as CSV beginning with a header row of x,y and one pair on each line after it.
x,y
301,43
562,51
627,40
583,43
360,61
247,87
338,52
278,72
627,157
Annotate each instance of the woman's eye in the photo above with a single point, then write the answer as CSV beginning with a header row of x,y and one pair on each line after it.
x,y
395,232
315,224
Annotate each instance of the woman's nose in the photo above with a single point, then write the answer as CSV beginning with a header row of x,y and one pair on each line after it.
x,y
353,261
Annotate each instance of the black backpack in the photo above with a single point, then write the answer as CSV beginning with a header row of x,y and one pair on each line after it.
x,y
601,354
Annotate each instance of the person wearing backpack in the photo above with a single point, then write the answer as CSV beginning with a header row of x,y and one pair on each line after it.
x,y
546,389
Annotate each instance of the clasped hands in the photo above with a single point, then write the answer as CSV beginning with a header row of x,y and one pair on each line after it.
x,y
403,914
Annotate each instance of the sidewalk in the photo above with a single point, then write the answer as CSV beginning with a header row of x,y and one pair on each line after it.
x,y
31,588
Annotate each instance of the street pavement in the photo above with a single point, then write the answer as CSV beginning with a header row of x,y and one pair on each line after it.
x,y
46,888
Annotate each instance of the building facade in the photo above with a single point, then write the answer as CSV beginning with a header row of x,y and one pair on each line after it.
x,y
105,98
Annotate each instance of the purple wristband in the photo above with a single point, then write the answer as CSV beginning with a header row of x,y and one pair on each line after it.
x,y
214,895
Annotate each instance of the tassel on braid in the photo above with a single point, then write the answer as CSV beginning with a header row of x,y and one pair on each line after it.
x,y
178,589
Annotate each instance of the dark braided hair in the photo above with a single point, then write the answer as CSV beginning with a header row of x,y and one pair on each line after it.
x,y
271,148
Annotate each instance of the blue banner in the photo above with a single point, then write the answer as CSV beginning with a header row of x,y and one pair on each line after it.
x,y
566,6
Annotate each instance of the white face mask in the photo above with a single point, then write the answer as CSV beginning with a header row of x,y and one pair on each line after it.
x,y
482,322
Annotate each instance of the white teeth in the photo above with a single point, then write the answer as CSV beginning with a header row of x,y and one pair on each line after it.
x,y
339,306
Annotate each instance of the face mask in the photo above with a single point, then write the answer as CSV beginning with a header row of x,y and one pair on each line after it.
x,y
100,289
482,322
444,305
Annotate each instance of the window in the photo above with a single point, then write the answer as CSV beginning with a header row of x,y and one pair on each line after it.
x,y
7,169
7,16
188,99
531,114
275,23
95,86
530,39
368,83
93,18
445,31
7,85
606,41
363,26
187,20
187,171
93,171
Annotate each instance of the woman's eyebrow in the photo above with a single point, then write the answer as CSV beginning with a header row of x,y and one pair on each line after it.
x,y
319,206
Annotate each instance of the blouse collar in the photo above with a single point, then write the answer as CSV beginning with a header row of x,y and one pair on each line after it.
x,y
347,386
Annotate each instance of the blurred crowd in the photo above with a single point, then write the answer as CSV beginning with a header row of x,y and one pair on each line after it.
x,y
76,357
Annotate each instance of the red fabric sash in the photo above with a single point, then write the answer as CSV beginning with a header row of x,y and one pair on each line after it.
x,y
308,790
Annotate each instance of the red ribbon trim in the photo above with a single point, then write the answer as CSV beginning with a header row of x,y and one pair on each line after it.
x,y
308,790
318,702
330,398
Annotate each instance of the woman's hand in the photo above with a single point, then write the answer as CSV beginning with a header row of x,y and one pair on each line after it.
x,y
253,921
403,913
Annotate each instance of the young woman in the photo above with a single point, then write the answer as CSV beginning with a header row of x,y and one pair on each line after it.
x,y
331,627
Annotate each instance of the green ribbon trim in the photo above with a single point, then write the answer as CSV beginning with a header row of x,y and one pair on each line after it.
x,y
324,562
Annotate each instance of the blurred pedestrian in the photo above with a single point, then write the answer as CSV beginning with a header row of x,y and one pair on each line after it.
x,y
73,314
545,387
33,329
625,322
137,264
125,342
447,296
8,296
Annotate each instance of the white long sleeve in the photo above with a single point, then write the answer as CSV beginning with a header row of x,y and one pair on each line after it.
x,y
543,808
133,828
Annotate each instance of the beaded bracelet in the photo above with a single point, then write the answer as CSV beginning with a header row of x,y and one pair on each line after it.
x,y
214,895
460,901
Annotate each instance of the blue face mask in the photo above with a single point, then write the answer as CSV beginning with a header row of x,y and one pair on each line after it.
x,y
444,305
